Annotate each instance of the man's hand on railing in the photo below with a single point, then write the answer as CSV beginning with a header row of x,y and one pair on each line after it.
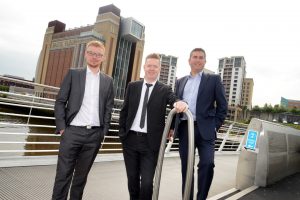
x,y
171,135
180,106
62,131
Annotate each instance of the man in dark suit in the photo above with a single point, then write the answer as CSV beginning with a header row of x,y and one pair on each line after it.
x,y
82,112
142,122
205,96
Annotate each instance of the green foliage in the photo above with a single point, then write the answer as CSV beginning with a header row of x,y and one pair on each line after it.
x,y
4,88
268,108
295,111
279,109
256,109
245,121
296,126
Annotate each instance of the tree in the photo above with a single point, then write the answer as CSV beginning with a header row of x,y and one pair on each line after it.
x,y
256,109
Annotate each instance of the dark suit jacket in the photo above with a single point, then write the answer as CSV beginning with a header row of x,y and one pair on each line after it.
x,y
211,107
161,95
70,96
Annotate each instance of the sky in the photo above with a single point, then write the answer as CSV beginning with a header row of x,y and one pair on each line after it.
x,y
265,32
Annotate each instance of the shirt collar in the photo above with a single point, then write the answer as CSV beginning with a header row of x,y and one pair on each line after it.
x,y
199,75
153,83
89,71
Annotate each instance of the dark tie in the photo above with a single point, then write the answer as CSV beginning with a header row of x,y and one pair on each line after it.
x,y
144,110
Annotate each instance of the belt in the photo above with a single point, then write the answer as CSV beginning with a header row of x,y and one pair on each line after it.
x,y
137,133
87,127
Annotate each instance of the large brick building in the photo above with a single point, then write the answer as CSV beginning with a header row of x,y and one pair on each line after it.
x,y
64,49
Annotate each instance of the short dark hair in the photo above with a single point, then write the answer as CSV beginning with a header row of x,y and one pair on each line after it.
x,y
197,49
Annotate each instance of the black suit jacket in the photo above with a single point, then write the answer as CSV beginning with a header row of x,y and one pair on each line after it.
x,y
160,97
211,107
70,96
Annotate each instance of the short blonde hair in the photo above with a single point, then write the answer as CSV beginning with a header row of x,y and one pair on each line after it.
x,y
95,43
154,56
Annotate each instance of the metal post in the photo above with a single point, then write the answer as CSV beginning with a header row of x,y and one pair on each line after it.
x,y
190,164
225,138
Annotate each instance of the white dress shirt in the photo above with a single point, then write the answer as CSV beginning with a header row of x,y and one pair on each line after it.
x,y
89,111
136,122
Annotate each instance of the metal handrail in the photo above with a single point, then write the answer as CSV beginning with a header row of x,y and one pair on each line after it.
x,y
28,83
22,115
191,156
28,97
25,106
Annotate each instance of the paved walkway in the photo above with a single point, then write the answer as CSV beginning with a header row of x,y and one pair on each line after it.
x,y
107,180
286,189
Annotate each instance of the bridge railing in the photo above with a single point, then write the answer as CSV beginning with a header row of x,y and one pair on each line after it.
x,y
27,124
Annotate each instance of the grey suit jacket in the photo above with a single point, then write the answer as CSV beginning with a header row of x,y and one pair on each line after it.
x,y
70,96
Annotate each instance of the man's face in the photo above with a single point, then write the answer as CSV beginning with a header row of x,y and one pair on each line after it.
x,y
152,69
94,56
197,61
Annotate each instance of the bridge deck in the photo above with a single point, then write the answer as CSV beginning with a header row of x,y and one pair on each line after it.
x,y
107,180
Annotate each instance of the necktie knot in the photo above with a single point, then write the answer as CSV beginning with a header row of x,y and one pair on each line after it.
x,y
148,85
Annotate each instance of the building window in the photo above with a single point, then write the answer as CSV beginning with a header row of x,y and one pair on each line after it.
x,y
238,62
136,29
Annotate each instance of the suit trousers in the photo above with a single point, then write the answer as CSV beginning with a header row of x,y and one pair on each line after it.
x,y
77,151
206,151
140,163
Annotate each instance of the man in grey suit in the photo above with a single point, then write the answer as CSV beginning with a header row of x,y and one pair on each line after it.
x,y
82,112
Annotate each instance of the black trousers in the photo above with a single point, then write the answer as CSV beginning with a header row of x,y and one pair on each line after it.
x,y
206,151
77,151
140,163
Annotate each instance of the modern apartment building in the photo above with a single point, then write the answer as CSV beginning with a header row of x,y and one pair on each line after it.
x,y
64,49
168,70
247,93
233,71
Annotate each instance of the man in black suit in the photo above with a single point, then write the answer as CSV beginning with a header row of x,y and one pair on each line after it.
x,y
142,121
205,96
82,112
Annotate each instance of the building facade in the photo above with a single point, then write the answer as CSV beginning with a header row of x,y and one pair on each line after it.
x,y
233,71
168,70
124,40
247,93
289,103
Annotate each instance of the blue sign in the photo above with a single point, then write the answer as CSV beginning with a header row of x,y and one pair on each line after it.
x,y
251,140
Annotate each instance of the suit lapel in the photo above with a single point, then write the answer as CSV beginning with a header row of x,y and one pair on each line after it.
x,y
136,95
82,78
181,86
139,90
101,84
202,84
155,90
101,91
